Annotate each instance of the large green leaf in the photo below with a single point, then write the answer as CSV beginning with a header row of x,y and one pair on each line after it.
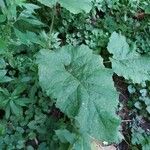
x,y
74,6
83,89
126,62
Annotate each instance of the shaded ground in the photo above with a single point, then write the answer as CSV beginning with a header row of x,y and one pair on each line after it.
x,y
121,87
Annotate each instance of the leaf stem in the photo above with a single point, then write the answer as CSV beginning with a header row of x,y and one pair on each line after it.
x,y
53,18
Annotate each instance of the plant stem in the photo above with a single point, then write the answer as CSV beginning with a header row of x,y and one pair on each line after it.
x,y
53,18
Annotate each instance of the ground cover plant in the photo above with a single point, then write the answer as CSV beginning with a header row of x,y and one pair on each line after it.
x,y
74,75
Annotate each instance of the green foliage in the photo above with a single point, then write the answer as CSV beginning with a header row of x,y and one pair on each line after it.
x,y
77,79
139,137
3,76
139,104
12,102
140,99
2,129
65,38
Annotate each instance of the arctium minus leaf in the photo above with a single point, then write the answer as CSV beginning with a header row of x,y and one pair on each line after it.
x,y
126,62
83,89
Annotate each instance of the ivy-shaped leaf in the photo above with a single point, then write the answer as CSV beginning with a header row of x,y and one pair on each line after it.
x,y
74,6
128,63
83,88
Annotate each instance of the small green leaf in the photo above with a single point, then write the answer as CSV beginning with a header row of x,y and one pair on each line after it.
x,y
33,21
147,8
148,109
138,105
15,109
2,18
3,44
7,111
20,88
5,91
22,101
30,148
2,129
3,77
